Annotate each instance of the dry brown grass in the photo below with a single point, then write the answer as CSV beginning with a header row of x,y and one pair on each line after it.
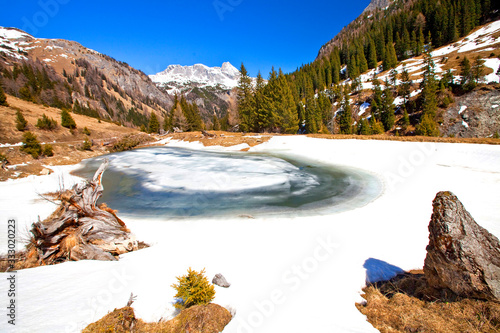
x,y
400,306
489,141
210,318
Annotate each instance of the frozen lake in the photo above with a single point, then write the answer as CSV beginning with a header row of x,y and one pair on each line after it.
x,y
171,182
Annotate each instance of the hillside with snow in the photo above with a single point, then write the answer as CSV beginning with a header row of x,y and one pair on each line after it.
x,y
102,86
199,75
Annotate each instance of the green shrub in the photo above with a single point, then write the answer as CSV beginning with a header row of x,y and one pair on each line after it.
x,y
86,131
3,158
66,120
48,150
193,289
130,142
31,145
46,123
21,122
87,145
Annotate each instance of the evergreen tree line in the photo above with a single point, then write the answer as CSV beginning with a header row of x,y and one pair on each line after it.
x,y
183,115
267,107
406,29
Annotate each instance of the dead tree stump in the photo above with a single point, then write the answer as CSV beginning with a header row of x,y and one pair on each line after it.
x,y
79,229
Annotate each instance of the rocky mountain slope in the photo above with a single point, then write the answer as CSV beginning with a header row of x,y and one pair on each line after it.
x,y
211,88
66,74
377,4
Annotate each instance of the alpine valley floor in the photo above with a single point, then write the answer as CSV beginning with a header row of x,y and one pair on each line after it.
x,y
293,274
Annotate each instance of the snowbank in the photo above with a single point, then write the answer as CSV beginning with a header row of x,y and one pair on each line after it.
x,y
299,274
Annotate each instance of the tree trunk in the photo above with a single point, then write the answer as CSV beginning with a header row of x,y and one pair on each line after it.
x,y
78,229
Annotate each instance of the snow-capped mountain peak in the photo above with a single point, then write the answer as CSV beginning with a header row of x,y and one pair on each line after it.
x,y
226,76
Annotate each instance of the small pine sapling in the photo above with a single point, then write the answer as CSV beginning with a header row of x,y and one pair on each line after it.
x,y
194,289
21,122
31,145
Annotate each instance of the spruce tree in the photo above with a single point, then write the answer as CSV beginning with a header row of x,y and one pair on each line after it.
x,y
352,68
263,110
66,120
361,59
467,81
419,46
215,123
428,125
387,113
364,127
289,118
246,101
311,109
31,145
154,124
404,88
478,70
376,104
376,126
406,120
21,122
179,120
345,119
372,54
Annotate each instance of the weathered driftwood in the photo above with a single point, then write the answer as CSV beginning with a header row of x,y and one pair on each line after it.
x,y
79,229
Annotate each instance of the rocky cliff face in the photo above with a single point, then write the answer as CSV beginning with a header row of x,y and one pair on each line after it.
x,y
376,4
475,114
461,256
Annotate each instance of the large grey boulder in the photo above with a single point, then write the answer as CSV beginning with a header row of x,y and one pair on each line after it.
x,y
461,256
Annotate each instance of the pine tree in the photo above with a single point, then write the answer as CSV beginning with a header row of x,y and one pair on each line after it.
x,y
428,125
387,113
345,119
376,104
3,97
263,110
390,59
466,73
393,77
287,108
376,126
21,122
178,118
406,120
352,68
31,145
66,120
364,127
215,123
420,41
361,59
335,71
246,101
478,70
372,54
154,124
405,87
311,109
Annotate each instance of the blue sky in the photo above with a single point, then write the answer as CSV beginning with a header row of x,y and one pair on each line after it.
x,y
150,35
